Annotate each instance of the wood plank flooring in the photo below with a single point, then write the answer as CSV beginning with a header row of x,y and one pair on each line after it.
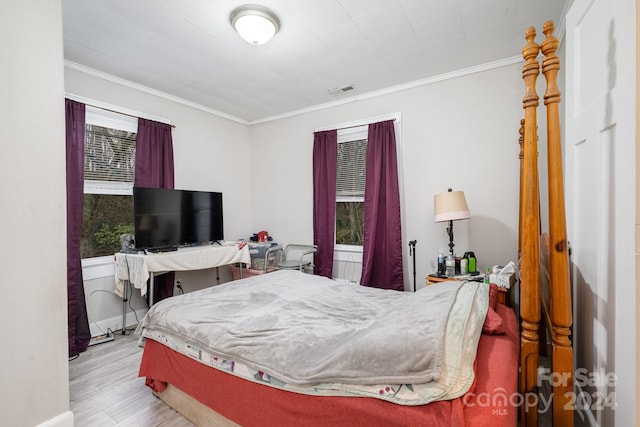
x,y
105,390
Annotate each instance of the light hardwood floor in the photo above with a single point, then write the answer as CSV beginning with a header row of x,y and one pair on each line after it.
x,y
105,389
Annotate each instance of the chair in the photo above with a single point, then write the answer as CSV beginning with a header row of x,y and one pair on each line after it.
x,y
298,257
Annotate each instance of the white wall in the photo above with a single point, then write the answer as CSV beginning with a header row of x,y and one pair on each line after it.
x,y
210,154
33,314
460,133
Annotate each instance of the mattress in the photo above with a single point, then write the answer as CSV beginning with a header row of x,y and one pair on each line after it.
x,y
355,330
490,401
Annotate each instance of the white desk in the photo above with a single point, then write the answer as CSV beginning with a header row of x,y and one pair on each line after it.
x,y
138,268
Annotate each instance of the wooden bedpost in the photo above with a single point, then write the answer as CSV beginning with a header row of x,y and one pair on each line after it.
x,y
520,210
561,316
529,266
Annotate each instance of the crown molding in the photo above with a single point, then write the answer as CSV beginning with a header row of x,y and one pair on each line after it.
x,y
398,88
373,94
151,91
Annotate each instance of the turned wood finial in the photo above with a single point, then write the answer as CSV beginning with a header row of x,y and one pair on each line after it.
x,y
531,49
548,28
550,64
530,69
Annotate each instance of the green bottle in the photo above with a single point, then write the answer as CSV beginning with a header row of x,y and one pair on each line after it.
x,y
471,261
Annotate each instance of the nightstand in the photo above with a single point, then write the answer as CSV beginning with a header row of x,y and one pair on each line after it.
x,y
432,280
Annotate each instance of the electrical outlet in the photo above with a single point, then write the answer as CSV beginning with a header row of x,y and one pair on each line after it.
x,y
179,286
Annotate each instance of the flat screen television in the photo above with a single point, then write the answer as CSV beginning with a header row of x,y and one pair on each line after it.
x,y
168,218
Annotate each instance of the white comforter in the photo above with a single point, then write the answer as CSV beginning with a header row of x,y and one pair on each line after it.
x,y
306,329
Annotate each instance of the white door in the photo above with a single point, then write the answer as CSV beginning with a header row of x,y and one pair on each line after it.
x,y
600,179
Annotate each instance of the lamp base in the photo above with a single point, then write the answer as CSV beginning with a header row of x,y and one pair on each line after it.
x,y
450,232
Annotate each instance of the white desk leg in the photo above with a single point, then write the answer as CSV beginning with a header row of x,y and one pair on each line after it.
x,y
150,290
124,307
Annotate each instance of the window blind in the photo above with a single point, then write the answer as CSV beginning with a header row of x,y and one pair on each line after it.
x,y
350,175
110,154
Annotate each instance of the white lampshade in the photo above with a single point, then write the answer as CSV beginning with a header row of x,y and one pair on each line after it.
x,y
450,206
255,24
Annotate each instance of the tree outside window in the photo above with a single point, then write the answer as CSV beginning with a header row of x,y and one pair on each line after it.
x,y
107,211
350,182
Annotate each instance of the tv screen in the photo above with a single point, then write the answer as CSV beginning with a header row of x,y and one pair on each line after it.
x,y
166,218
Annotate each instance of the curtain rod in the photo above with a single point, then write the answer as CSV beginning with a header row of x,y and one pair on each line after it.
x,y
358,126
120,112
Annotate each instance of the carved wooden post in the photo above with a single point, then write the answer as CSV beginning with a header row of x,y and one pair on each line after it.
x,y
530,269
561,316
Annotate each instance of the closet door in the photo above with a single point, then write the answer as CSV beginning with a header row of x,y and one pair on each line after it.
x,y
600,177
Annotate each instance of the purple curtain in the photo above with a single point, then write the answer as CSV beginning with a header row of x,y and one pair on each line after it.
x,y
325,155
154,155
154,168
78,323
382,248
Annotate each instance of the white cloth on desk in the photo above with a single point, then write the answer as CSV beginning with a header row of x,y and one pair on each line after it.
x,y
136,268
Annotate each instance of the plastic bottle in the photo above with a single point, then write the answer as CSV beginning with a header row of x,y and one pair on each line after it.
x,y
463,266
451,266
486,276
471,261
441,263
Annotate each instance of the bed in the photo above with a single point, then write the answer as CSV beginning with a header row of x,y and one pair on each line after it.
x,y
384,377
306,350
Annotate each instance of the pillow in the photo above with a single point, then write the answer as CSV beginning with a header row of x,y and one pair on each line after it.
x,y
493,323
493,295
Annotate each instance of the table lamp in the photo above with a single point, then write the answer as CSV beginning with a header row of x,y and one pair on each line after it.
x,y
450,206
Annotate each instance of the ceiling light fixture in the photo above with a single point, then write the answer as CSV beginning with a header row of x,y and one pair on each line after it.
x,y
255,24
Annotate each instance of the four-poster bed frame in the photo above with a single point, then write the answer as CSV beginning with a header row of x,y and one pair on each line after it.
x,y
544,257
544,267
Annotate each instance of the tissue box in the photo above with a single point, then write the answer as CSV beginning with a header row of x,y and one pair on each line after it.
x,y
503,280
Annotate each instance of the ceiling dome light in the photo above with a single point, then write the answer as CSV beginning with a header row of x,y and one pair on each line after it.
x,y
255,24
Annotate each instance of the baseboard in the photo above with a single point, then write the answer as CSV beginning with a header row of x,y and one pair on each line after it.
x,y
101,327
65,419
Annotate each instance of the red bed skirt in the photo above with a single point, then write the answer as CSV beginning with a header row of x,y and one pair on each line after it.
x,y
490,402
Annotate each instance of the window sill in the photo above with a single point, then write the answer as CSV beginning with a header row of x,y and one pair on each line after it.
x,y
98,268
347,253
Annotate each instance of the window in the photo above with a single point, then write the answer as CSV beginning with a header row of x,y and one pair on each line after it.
x,y
107,212
350,182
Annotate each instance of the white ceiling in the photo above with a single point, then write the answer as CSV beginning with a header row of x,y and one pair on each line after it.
x,y
188,49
